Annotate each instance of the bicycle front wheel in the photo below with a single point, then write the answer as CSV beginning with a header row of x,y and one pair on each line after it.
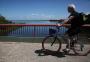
x,y
51,43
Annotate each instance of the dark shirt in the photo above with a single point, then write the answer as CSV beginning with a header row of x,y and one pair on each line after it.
x,y
75,28
75,20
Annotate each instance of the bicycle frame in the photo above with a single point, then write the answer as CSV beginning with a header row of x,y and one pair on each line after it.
x,y
74,38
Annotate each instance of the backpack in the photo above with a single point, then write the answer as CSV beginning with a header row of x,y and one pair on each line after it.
x,y
82,19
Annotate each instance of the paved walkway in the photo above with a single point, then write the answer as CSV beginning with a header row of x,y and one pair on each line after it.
x,y
28,52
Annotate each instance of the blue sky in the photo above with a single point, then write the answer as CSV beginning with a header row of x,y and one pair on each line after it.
x,y
40,9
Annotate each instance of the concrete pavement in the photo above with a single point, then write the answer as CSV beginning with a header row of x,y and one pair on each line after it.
x,y
28,52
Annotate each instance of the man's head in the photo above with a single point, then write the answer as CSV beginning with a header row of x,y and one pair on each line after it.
x,y
71,8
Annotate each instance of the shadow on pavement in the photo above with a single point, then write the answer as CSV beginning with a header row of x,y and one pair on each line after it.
x,y
58,54
49,52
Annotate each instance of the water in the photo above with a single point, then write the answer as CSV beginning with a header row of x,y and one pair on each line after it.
x,y
31,31
33,21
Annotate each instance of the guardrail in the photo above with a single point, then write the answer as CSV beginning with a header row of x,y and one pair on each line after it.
x,y
30,30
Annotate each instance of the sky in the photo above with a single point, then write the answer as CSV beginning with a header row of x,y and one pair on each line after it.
x,y
40,9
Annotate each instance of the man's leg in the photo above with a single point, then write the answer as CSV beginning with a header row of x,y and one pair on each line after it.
x,y
67,49
70,44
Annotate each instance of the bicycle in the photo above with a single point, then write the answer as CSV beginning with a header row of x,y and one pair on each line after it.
x,y
52,42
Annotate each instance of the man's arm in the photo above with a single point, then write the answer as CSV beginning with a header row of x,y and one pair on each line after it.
x,y
66,21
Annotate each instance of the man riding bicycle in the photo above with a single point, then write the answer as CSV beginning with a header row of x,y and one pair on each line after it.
x,y
74,29
72,37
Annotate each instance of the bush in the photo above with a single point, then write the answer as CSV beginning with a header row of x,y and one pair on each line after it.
x,y
88,19
3,20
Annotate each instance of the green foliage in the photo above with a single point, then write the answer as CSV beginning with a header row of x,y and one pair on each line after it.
x,y
3,20
87,19
4,30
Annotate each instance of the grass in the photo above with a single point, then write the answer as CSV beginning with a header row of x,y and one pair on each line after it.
x,y
21,39
33,39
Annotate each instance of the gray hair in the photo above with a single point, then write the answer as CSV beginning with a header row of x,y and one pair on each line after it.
x,y
72,6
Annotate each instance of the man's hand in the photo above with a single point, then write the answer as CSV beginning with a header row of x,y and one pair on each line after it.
x,y
59,24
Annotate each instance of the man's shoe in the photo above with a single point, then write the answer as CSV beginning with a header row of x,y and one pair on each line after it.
x,y
66,51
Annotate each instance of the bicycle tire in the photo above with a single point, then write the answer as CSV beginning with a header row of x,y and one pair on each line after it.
x,y
80,47
46,40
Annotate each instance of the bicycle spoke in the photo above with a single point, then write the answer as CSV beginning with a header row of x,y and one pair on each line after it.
x,y
48,42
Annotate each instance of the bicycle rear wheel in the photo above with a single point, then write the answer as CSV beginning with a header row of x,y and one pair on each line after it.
x,y
51,43
81,47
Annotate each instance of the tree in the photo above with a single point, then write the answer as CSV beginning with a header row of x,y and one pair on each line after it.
x,y
3,20
88,19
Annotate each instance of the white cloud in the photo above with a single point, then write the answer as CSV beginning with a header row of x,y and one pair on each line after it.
x,y
33,14
42,16
87,13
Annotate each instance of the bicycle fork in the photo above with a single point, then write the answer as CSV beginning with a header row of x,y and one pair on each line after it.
x,y
53,41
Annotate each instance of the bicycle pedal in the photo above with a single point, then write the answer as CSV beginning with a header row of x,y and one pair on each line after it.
x,y
66,51
52,45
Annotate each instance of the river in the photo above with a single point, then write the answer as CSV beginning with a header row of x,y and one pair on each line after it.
x,y
28,31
